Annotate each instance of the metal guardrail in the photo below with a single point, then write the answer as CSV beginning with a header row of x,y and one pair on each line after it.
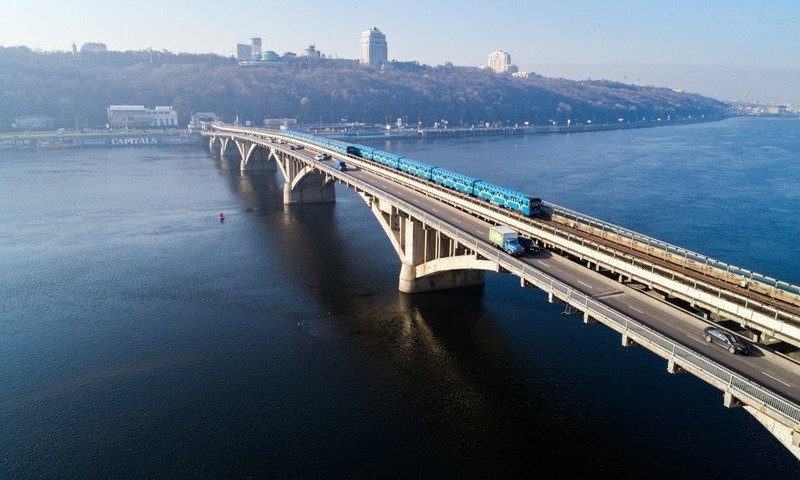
x,y
669,248
742,388
739,386
749,304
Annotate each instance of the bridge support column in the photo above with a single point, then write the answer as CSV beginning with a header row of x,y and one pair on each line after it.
x,y
311,190
228,148
627,341
257,158
430,259
422,244
303,183
438,281
673,367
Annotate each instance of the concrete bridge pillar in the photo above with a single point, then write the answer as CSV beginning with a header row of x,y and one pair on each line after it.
x,y
430,260
255,157
228,147
303,183
422,245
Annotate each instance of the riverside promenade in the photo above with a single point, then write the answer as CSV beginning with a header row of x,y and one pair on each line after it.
x,y
97,138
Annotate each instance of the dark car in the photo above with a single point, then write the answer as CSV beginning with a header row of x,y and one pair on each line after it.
x,y
528,244
728,340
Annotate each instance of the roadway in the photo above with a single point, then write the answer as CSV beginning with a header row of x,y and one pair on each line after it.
x,y
771,371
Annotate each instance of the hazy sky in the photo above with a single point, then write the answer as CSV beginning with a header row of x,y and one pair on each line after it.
x,y
731,50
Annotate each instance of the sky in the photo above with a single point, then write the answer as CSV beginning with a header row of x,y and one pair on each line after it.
x,y
731,50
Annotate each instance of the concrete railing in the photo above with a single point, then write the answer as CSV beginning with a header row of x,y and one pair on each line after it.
x,y
750,393
787,412
673,249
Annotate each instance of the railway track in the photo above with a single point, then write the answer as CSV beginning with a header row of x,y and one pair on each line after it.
x,y
686,269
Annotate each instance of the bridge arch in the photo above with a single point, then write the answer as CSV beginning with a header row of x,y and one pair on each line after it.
x,y
430,260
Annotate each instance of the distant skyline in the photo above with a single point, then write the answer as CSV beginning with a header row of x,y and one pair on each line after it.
x,y
730,50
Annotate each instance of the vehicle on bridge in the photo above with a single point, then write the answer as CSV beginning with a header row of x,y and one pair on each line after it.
x,y
321,156
340,165
728,340
528,244
495,194
507,239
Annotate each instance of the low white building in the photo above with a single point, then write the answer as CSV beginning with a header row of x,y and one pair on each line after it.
x,y
139,116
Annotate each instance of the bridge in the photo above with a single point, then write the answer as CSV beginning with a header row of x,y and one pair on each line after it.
x,y
655,295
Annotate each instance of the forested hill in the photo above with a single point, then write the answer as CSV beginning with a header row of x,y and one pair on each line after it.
x,y
70,90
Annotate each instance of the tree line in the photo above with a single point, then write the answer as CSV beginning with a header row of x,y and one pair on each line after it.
x,y
77,90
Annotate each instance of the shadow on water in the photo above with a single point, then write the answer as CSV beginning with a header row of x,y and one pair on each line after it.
x,y
438,359
439,381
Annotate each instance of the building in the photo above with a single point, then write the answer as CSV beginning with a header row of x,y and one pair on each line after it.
x,y
243,51
776,110
270,56
312,52
279,123
255,43
34,123
94,47
374,50
139,116
500,61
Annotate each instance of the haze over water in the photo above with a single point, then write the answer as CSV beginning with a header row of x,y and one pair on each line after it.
x,y
142,338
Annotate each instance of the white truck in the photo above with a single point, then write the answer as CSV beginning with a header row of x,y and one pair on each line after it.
x,y
506,238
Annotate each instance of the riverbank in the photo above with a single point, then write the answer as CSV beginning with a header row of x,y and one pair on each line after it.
x,y
401,132
71,139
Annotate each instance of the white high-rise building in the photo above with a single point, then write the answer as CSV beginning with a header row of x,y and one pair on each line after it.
x,y
255,44
500,61
373,47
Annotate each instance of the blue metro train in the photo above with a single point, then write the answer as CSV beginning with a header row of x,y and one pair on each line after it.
x,y
504,197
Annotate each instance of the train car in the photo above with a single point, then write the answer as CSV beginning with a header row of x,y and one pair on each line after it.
x,y
335,145
501,196
361,151
536,207
508,198
416,168
455,180
386,158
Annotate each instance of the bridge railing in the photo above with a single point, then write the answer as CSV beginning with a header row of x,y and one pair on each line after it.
x,y
674,249
742,388
750,305
499,212
747,391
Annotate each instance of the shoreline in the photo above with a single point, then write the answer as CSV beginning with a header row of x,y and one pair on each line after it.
x,y
422,133
72,139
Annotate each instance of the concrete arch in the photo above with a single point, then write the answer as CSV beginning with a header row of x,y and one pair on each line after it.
x,y
430,260
256,157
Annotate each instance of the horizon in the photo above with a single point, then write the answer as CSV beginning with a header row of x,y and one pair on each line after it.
x,y
731,51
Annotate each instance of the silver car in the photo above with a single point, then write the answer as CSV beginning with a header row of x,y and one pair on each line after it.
x,y
728,340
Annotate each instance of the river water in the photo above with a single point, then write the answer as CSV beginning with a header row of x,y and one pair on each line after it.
x,y
142,338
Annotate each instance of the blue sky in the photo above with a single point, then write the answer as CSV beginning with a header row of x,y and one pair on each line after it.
x,y
732,50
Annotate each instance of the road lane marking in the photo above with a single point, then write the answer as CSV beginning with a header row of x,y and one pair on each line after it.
x,y
542,263
586,285
777,379
634,308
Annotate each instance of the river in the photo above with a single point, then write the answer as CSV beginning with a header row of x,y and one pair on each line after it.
x,y
140,337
